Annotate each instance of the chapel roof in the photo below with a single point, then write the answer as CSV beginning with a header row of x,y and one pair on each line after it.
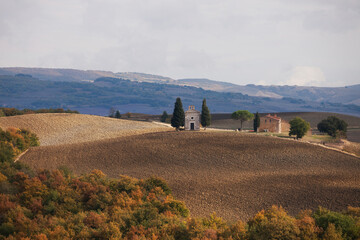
x,y
273,117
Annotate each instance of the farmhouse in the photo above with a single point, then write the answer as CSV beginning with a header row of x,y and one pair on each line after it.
x,y
192,119
274,123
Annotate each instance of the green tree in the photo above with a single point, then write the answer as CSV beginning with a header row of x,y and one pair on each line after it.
x,y
2,114
333,126
242,115
347,224
273,223
256,122
164,116
299,127
117,114
332,233
178,117
205,115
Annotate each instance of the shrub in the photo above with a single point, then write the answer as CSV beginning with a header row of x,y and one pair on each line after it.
x,y
6,229
237,231
6,152
333,126
307,225
178,208
332,233
164,116
153,182
345,223
273,224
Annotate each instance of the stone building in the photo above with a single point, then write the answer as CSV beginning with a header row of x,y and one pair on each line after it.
x,y
274,124
192,119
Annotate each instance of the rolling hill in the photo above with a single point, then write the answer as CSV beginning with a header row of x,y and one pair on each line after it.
x,y
99,95
231,173
234,175
343,95
55,74
65,128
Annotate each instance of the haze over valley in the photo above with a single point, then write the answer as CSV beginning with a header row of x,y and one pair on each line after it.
x,y
95,92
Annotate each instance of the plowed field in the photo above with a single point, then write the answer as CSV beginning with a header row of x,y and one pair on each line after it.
x,y
231,173
66,128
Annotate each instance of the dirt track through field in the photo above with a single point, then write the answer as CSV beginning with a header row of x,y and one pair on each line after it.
x,y
231,173
66,128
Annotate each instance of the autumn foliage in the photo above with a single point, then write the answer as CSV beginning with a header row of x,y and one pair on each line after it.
x,y
14,141
59,205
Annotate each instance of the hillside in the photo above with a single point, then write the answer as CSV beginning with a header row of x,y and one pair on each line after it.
x,y
64,128
230,173
143,77
57,74
343,95
98,96
56,204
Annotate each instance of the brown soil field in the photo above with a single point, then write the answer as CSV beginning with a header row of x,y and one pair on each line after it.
x,y
66,128
232,174
352,147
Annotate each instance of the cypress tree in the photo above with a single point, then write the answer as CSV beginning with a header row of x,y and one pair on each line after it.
x,y
178,117
256,122
164,116
117,114
205,115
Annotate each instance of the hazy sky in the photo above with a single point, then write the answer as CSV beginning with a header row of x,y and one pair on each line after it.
x,y
302,42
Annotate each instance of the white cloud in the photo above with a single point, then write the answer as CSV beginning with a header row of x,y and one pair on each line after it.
x,y
305,76
234,40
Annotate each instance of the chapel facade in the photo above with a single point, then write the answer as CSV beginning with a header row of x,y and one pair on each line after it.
x,y
192,119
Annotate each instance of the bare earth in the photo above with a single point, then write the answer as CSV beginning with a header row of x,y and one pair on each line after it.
x,y
231,173
66,128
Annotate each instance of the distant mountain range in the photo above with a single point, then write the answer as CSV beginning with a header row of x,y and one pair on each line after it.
x,y
94,91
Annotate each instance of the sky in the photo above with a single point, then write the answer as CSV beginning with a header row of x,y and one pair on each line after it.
x,y
269,42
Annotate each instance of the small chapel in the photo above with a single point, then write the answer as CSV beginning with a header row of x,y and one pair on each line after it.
x,y
192,119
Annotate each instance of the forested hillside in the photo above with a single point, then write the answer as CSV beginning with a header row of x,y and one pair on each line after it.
x,y
343,95
129,96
